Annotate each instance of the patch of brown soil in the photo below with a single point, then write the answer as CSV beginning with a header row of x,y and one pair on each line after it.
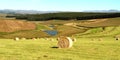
x,y
15,25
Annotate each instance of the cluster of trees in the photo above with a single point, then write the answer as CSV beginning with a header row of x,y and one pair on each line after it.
x,y
66,16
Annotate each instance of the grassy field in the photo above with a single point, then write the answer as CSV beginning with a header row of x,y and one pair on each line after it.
x,y
101,31
41,49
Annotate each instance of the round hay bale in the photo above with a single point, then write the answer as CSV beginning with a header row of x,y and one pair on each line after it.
x,y
117,37
64,42
51,39
34,39
100,39
23,38
16,39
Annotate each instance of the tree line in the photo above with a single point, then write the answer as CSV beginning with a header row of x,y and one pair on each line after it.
x,y
64,16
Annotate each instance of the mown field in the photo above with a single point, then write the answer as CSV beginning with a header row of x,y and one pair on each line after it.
x,y
41,49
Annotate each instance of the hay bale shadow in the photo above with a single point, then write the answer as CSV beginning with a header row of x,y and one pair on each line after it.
x,y
54,47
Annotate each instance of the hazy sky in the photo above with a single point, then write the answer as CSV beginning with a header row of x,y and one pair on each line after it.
x,y
60,5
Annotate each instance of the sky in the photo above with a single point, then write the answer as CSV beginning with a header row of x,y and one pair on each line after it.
x,y
60,5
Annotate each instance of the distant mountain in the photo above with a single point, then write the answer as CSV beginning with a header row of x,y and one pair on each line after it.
x,y
103,11
9,11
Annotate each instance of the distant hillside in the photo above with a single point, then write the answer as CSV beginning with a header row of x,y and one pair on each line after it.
x,y
104,11
66,16
11,28
9,11
14,25
100,27
101,32
100,22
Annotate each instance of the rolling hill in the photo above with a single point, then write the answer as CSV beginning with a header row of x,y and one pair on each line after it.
x,y
15,25
11,27
100,27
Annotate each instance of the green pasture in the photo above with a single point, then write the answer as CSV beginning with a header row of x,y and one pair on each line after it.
x,y
103,48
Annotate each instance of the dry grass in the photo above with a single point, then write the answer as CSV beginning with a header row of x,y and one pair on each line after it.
x,y
15,25
101,22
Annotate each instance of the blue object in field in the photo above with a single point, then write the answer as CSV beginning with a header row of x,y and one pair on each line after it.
x,y
51,32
